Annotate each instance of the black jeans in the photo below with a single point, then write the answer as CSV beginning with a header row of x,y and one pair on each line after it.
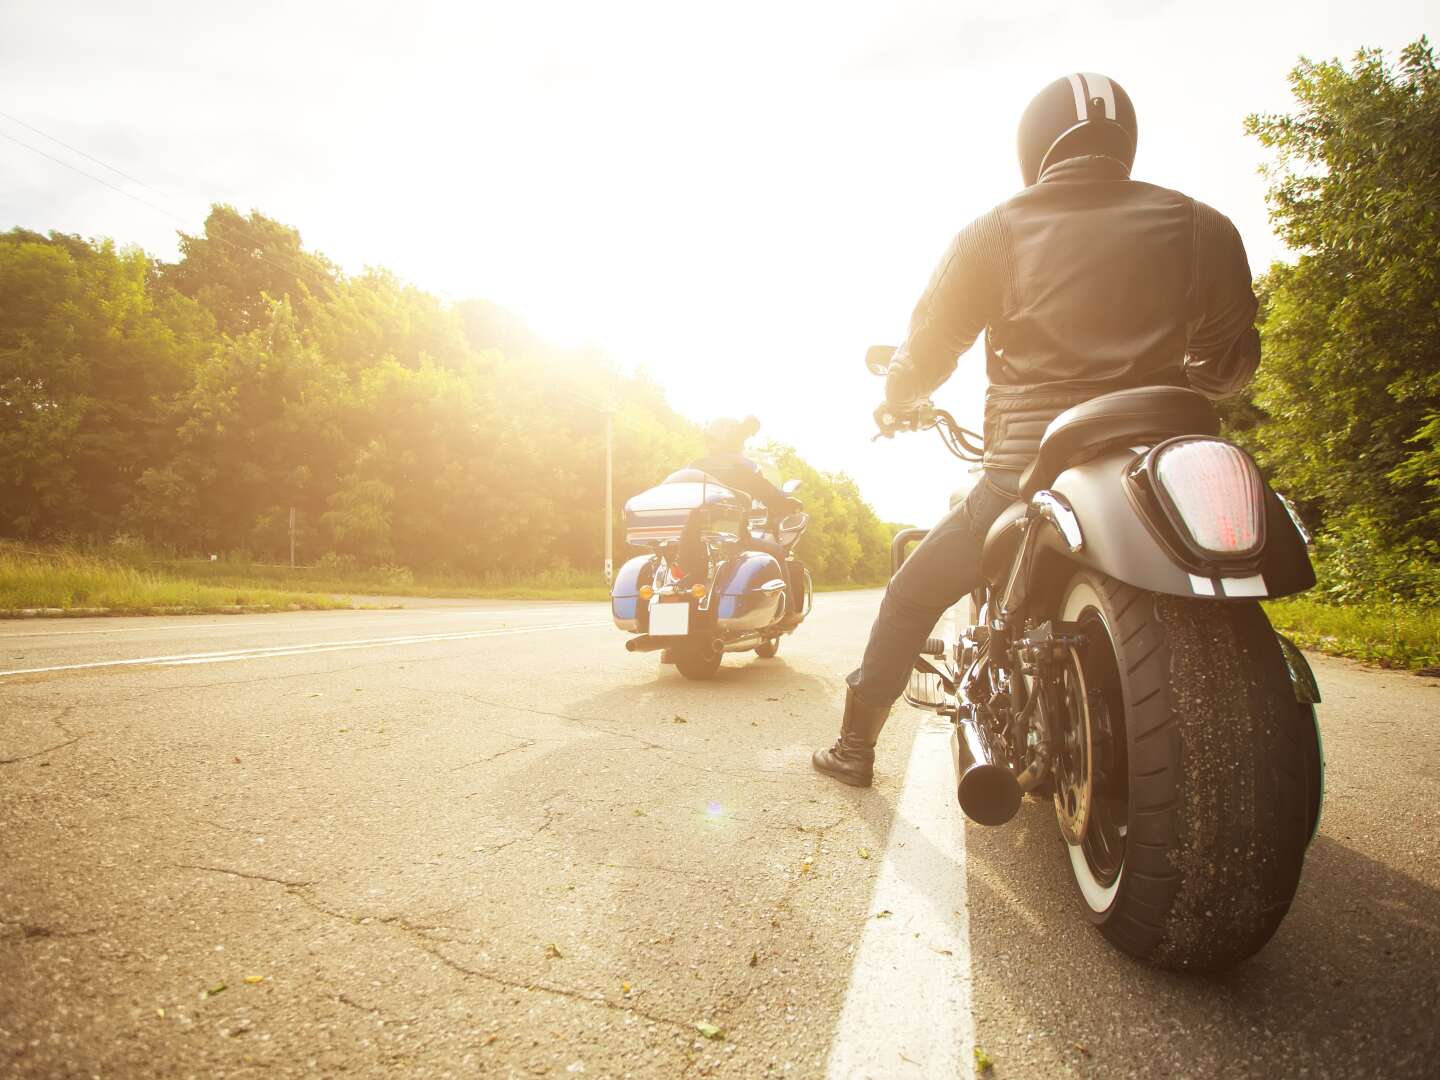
x,y
941,570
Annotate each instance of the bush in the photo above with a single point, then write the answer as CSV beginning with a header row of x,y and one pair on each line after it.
x,y
335,563
1357,564
396,576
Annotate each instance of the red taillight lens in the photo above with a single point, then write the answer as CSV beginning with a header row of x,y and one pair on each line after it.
x,y
1216,492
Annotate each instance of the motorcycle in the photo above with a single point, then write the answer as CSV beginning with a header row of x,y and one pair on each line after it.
x,y
704,589
1117,662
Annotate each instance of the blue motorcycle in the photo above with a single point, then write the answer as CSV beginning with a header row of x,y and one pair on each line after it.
x,y
719,576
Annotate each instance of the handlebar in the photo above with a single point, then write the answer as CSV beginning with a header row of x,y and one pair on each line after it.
x,y
960,441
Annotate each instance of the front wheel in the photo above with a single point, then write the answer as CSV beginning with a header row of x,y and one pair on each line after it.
x,y
1180,779
697,659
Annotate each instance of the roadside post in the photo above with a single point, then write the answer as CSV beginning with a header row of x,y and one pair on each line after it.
x,y
609,496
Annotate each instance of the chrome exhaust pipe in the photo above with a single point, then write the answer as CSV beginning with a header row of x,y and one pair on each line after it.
x,y
988,791
646,643
740,644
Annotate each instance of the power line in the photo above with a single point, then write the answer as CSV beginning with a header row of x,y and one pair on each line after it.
x,y
82,153
92,176
297,272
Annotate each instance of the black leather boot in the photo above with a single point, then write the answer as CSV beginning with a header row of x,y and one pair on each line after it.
x,y
852,759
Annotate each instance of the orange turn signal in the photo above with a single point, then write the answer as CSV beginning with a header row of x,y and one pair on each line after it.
x,y
646,592
697,591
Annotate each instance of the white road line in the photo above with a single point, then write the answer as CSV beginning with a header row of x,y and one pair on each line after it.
x,y
230,623
908,1009
265,652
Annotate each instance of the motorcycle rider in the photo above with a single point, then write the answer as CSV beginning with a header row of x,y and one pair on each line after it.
x,y
1085,282
725,460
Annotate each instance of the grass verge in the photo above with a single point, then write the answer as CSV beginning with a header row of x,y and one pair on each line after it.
x,y
1391,636
393,581
65,580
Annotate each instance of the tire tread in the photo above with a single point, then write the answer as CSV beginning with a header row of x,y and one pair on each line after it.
x,y
1205,693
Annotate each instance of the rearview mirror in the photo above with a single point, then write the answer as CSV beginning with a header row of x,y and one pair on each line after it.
x,y
789,487
878,357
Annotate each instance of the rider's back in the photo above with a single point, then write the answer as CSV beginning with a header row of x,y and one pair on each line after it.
x,y
1088,282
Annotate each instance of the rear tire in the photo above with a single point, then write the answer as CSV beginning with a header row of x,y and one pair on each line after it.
x,y
1201,810
768,648
697,660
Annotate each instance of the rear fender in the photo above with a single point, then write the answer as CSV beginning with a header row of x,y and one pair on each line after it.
x,y
1117,541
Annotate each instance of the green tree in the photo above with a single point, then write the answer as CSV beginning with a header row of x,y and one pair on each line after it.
x,y
199,402
90,355
260,429
1348,395
238,262
846,543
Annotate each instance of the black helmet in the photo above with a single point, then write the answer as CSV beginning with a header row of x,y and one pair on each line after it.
x,y
1084,113
728,436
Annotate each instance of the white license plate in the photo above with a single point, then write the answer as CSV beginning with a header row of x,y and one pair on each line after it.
x,y
669,620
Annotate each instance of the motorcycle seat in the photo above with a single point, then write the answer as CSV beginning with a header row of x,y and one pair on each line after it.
x,y
1145,413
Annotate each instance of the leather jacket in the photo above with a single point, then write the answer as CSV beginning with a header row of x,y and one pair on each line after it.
x,y
1084,283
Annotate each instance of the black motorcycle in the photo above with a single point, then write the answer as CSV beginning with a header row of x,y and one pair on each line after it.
x,y
1117,661
719,575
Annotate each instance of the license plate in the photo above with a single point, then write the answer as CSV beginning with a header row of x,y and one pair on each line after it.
x,y
669,620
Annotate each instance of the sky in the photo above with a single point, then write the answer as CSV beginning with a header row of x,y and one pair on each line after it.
x,y
739,198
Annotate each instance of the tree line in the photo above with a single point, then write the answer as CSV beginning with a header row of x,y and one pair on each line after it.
x,y
1345,410
194,403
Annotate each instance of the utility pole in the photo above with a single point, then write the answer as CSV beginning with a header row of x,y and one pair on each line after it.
x,y
609,496
292,538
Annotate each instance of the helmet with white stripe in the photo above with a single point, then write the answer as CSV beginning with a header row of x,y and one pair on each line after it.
x,y
1083,113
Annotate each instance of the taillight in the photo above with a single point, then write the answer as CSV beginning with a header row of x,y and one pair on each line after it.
x,y
1216,494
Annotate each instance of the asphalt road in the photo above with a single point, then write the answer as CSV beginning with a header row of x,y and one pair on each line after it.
x,y
481,839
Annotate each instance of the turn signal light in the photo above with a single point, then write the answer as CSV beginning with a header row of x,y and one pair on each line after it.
x,y
697,591
646,592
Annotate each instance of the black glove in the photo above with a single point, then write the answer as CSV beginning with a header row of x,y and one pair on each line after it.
x,y
892,418
781,512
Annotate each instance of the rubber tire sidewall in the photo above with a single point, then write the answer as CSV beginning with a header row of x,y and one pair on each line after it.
x,y
1218,798
1099,899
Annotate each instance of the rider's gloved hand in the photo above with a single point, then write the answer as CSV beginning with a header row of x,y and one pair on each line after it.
x,y
890,418
780,513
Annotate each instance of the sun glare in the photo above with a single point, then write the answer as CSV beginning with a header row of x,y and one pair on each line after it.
x,y
741,203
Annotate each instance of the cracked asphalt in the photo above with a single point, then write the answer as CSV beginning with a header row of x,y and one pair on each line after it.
x,y
448,841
